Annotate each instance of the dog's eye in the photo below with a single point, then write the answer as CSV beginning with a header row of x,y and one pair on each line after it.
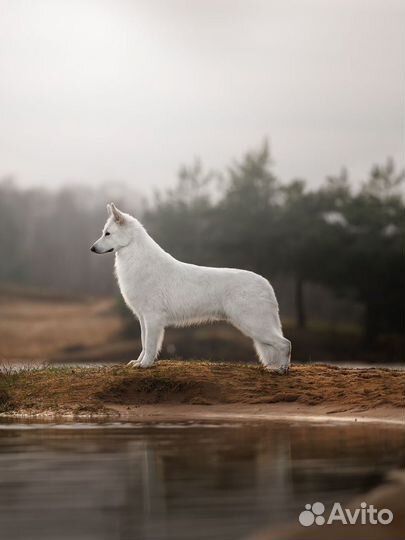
x,y
107,234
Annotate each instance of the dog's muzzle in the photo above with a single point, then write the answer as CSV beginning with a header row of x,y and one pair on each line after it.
x,y
94,250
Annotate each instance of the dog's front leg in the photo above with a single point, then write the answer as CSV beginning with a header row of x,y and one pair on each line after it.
x,y
143,335
153,340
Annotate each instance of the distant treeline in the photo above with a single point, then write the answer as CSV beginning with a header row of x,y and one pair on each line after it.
x,y
349,239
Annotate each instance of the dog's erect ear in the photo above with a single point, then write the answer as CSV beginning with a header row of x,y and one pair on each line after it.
x,y
109,210
117,214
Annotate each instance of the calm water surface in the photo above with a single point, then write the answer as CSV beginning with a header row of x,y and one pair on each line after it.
x,y
180,481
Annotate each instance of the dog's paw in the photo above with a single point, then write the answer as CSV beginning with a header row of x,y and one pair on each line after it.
x,y
278,371
134,363
145,365
283,371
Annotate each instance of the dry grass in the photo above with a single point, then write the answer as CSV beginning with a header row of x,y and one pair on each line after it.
x,y
93,389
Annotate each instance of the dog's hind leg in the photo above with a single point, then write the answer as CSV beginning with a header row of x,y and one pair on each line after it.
x,y
262,324
153,341
143,334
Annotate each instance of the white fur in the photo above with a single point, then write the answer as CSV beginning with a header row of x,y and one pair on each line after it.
x,y
162,291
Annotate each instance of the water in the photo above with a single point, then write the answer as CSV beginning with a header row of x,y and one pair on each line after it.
x,y
180,481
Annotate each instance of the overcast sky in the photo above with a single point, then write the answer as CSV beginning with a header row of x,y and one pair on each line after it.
x,y
101,90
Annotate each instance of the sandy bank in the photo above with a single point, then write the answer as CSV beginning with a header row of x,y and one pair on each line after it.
x,y
245,412
202,390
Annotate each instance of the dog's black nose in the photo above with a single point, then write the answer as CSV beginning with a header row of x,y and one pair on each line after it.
x,y
93,249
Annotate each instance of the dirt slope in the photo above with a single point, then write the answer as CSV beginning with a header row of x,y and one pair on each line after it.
x,y
201,383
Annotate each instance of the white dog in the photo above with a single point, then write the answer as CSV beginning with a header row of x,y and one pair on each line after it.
x,y
162,291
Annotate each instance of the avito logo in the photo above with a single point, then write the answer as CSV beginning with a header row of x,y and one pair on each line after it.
x,y
366,514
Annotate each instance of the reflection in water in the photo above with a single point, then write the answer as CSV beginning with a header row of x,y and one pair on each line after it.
x,y
180,482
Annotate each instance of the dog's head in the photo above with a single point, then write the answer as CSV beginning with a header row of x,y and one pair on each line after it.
x,y
116,231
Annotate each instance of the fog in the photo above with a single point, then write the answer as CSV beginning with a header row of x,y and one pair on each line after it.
x,y
107,90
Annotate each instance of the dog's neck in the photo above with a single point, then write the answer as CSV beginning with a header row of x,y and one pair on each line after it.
x,y
142,246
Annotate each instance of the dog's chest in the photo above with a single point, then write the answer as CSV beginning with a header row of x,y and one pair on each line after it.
x,y
129,281
136,281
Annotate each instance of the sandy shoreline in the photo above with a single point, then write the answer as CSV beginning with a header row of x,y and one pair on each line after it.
x,y
201,391
246,412
236,412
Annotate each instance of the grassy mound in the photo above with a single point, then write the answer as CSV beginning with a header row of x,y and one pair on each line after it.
x,y
77,390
